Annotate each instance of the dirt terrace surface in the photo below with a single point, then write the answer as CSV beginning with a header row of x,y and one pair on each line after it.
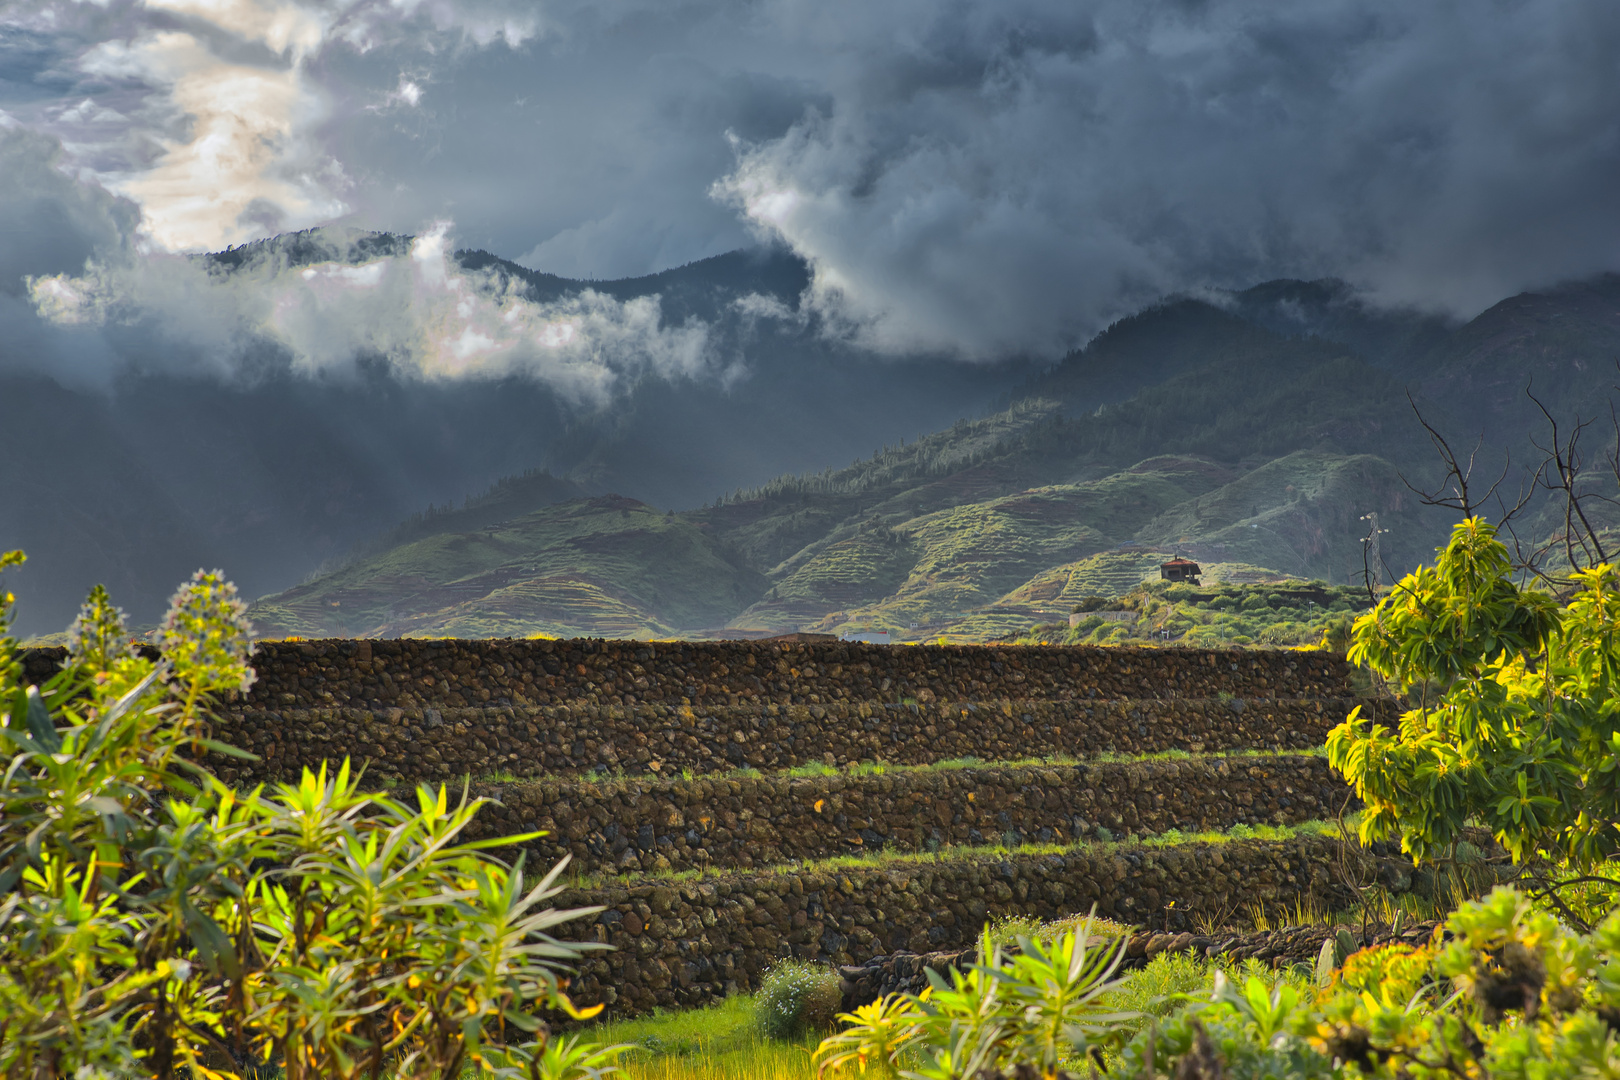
x,y
649,739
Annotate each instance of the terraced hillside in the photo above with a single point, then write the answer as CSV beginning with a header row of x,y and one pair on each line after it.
x,y
731,803
1260,432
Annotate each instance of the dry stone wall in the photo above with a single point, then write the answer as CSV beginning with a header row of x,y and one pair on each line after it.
x,y
635,750
427,710
649,824
413,674
450,674
436,744
679,943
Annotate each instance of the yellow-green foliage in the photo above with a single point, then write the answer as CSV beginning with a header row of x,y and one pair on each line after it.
x,y
152,917
1512,702
1511,994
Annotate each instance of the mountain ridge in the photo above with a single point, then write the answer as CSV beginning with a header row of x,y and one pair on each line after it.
x,y
1193,428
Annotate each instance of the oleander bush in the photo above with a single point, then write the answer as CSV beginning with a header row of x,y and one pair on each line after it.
x,y
156,923
1035,1012
1513,993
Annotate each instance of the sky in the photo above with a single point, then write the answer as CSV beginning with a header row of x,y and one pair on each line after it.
x,y
979,179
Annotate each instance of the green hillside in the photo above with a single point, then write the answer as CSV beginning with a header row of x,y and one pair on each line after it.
x,y
1280,612
1193,432
964,558
603,567
983,569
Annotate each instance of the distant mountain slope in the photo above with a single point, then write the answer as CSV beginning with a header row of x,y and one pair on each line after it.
x,y
270,472
1251,454
937,536
1283,407
1147,348
1565,343
701,290
605,567
1405,342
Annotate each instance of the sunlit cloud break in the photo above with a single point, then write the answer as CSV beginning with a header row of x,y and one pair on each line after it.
x,y
419,310
223,145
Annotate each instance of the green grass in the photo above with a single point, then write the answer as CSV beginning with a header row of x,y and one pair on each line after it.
x,y
716,1042
620,780
895,858
723,1041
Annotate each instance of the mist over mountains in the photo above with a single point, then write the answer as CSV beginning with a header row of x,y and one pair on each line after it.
x,y
273,466
300,455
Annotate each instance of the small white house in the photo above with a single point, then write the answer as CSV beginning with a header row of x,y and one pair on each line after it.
x,y
867,636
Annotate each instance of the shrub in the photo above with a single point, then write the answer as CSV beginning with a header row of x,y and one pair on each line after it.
x,y
796,997
156,923
1512,994
1022,1015
1510,697
1086,626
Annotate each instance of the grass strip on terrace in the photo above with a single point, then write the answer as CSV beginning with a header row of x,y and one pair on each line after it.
x,y
952,853
617,779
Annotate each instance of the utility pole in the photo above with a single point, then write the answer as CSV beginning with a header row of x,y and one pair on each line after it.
x,y
1372,564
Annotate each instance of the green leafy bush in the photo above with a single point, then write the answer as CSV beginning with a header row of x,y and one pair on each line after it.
x,y
1513,995
1510,994
796,997
1512,699
156,923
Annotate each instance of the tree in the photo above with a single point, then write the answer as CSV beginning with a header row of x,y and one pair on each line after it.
x,y
155,922
1511,710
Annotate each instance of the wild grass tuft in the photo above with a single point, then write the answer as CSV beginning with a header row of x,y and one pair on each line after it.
x,y
797,998
715,1042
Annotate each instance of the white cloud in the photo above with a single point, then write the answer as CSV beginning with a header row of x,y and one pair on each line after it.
x,y
245,165
983,177
429,318
224,145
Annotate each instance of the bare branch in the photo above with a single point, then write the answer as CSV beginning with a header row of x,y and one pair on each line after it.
x,y
1566,460
1459,474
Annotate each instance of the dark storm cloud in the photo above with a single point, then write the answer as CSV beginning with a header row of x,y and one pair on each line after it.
x,y
981,177
1009,177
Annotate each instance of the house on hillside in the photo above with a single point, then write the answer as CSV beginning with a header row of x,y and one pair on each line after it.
x,y
867,635
1179,569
